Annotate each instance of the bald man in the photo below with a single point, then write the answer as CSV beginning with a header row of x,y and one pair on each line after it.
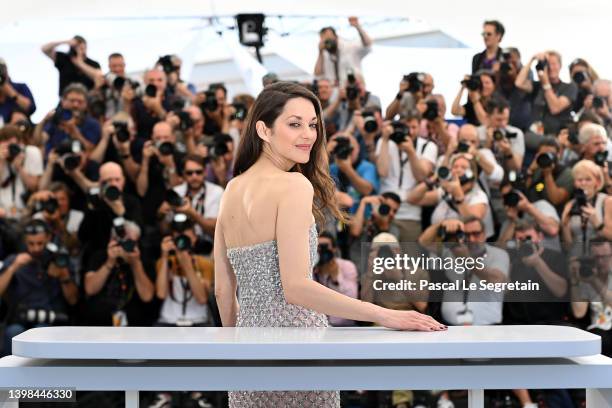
x,y
149,110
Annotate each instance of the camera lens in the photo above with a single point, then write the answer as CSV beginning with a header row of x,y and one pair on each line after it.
x,y
182,242
121,131
511,199
497,135
13,151
151,90
463,147
128,245
173,198
111,193
71,161
384,209
600,158
166,148
444,173
50,206
545,159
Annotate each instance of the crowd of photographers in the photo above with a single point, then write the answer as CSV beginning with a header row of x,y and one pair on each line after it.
x,y
108,205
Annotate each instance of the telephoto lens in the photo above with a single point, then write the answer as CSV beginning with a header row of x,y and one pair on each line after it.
x,y
151,90
173,198
580,200
546,159
384,209
325,254
444,173
512,198
182,242
369,122
111,193
121,131
165,148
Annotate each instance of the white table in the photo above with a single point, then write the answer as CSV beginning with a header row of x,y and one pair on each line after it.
x,y
155,358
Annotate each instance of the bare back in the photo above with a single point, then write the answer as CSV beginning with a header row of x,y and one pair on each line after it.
x,y
249,207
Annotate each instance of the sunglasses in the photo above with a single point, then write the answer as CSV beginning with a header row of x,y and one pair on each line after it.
x,y
473,233
485,34
192,172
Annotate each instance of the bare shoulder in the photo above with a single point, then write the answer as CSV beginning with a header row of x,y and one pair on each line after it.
x,y
294,184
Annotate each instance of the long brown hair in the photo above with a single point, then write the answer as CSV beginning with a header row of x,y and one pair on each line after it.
x,y
267,108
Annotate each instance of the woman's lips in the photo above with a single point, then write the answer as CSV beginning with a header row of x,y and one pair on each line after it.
x,y
305,147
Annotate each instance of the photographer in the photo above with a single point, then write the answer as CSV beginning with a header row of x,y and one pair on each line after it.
x,y
593,146
431,123
352,175
337,57
468,238
382,215
171,65
546,178
583,75
160,169
116,284
107,201
518,209
335,273
120,145
221,154
593,280
552,98
74,66
455,193
152,106
356,98
480,87
37,284
492,34
519,100
184,280
53,207
413,88
532,261
599,102
197,198
506,142
113,88
20,171
589,213
404,159
214,106
69,120
68,163
14,96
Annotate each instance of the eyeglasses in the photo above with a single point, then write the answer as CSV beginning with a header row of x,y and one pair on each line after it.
x,y
486,34
192,172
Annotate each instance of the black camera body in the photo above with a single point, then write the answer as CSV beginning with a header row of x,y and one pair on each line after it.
x,y
444,173
579,77
512,198
526,248
111,193
13,151
185,121
463,147
473,83
415,81
598,102
166,63
54,254
452,237
121,131
384,209
343,148
547,159
400,133
587,265
150,91
241,110
467,177
210,103
180,223
325,254
330,45
165,148
173,198
369,121
218,149
61,115
128,245
541,65
49,206
432,111
601,158
69,151
580,200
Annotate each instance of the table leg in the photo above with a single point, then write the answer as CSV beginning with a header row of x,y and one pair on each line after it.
x,y
132,399
599,398
475,398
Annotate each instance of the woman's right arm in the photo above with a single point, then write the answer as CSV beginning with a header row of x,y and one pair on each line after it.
x,y
293,221
225,281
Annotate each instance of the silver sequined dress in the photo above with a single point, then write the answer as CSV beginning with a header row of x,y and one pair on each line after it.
x,y
262,304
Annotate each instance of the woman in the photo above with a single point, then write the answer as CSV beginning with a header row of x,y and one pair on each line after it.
x,y
474,109
456,197
266,238
580,224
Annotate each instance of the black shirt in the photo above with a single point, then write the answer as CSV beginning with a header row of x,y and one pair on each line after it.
x,y
540,112
118,293
545,307
69,73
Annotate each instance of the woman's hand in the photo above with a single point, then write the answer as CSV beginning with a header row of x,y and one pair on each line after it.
x,y
409,320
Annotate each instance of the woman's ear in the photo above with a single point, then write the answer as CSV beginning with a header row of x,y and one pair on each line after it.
x,y
262,130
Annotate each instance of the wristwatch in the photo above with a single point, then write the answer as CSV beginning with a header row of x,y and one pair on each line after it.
x,y
546,87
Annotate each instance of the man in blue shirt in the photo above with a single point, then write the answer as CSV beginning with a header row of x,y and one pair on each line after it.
x,y
13,96
35,281
71,120
354,176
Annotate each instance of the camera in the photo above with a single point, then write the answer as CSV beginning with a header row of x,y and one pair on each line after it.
x,y
210,103
498,135
330,45
541,65
165,148
587,265
384,209
400,132
452,237
93,198
53,254
325,254
241,111
463,147
13,151
111,193
415,81
546,160
343,148
69,151
218,149
525,248
369,121
121,131
173,198
128,245
598,102
185,120
601,158
517,180
580,200
61,115
151,91
49,206
180,223
512,198
467,177
579,77
314,87
352,91
432,111
166,63
444,173
472,83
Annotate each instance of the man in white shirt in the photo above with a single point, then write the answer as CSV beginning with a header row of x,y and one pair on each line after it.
x,y
401,167
337,57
